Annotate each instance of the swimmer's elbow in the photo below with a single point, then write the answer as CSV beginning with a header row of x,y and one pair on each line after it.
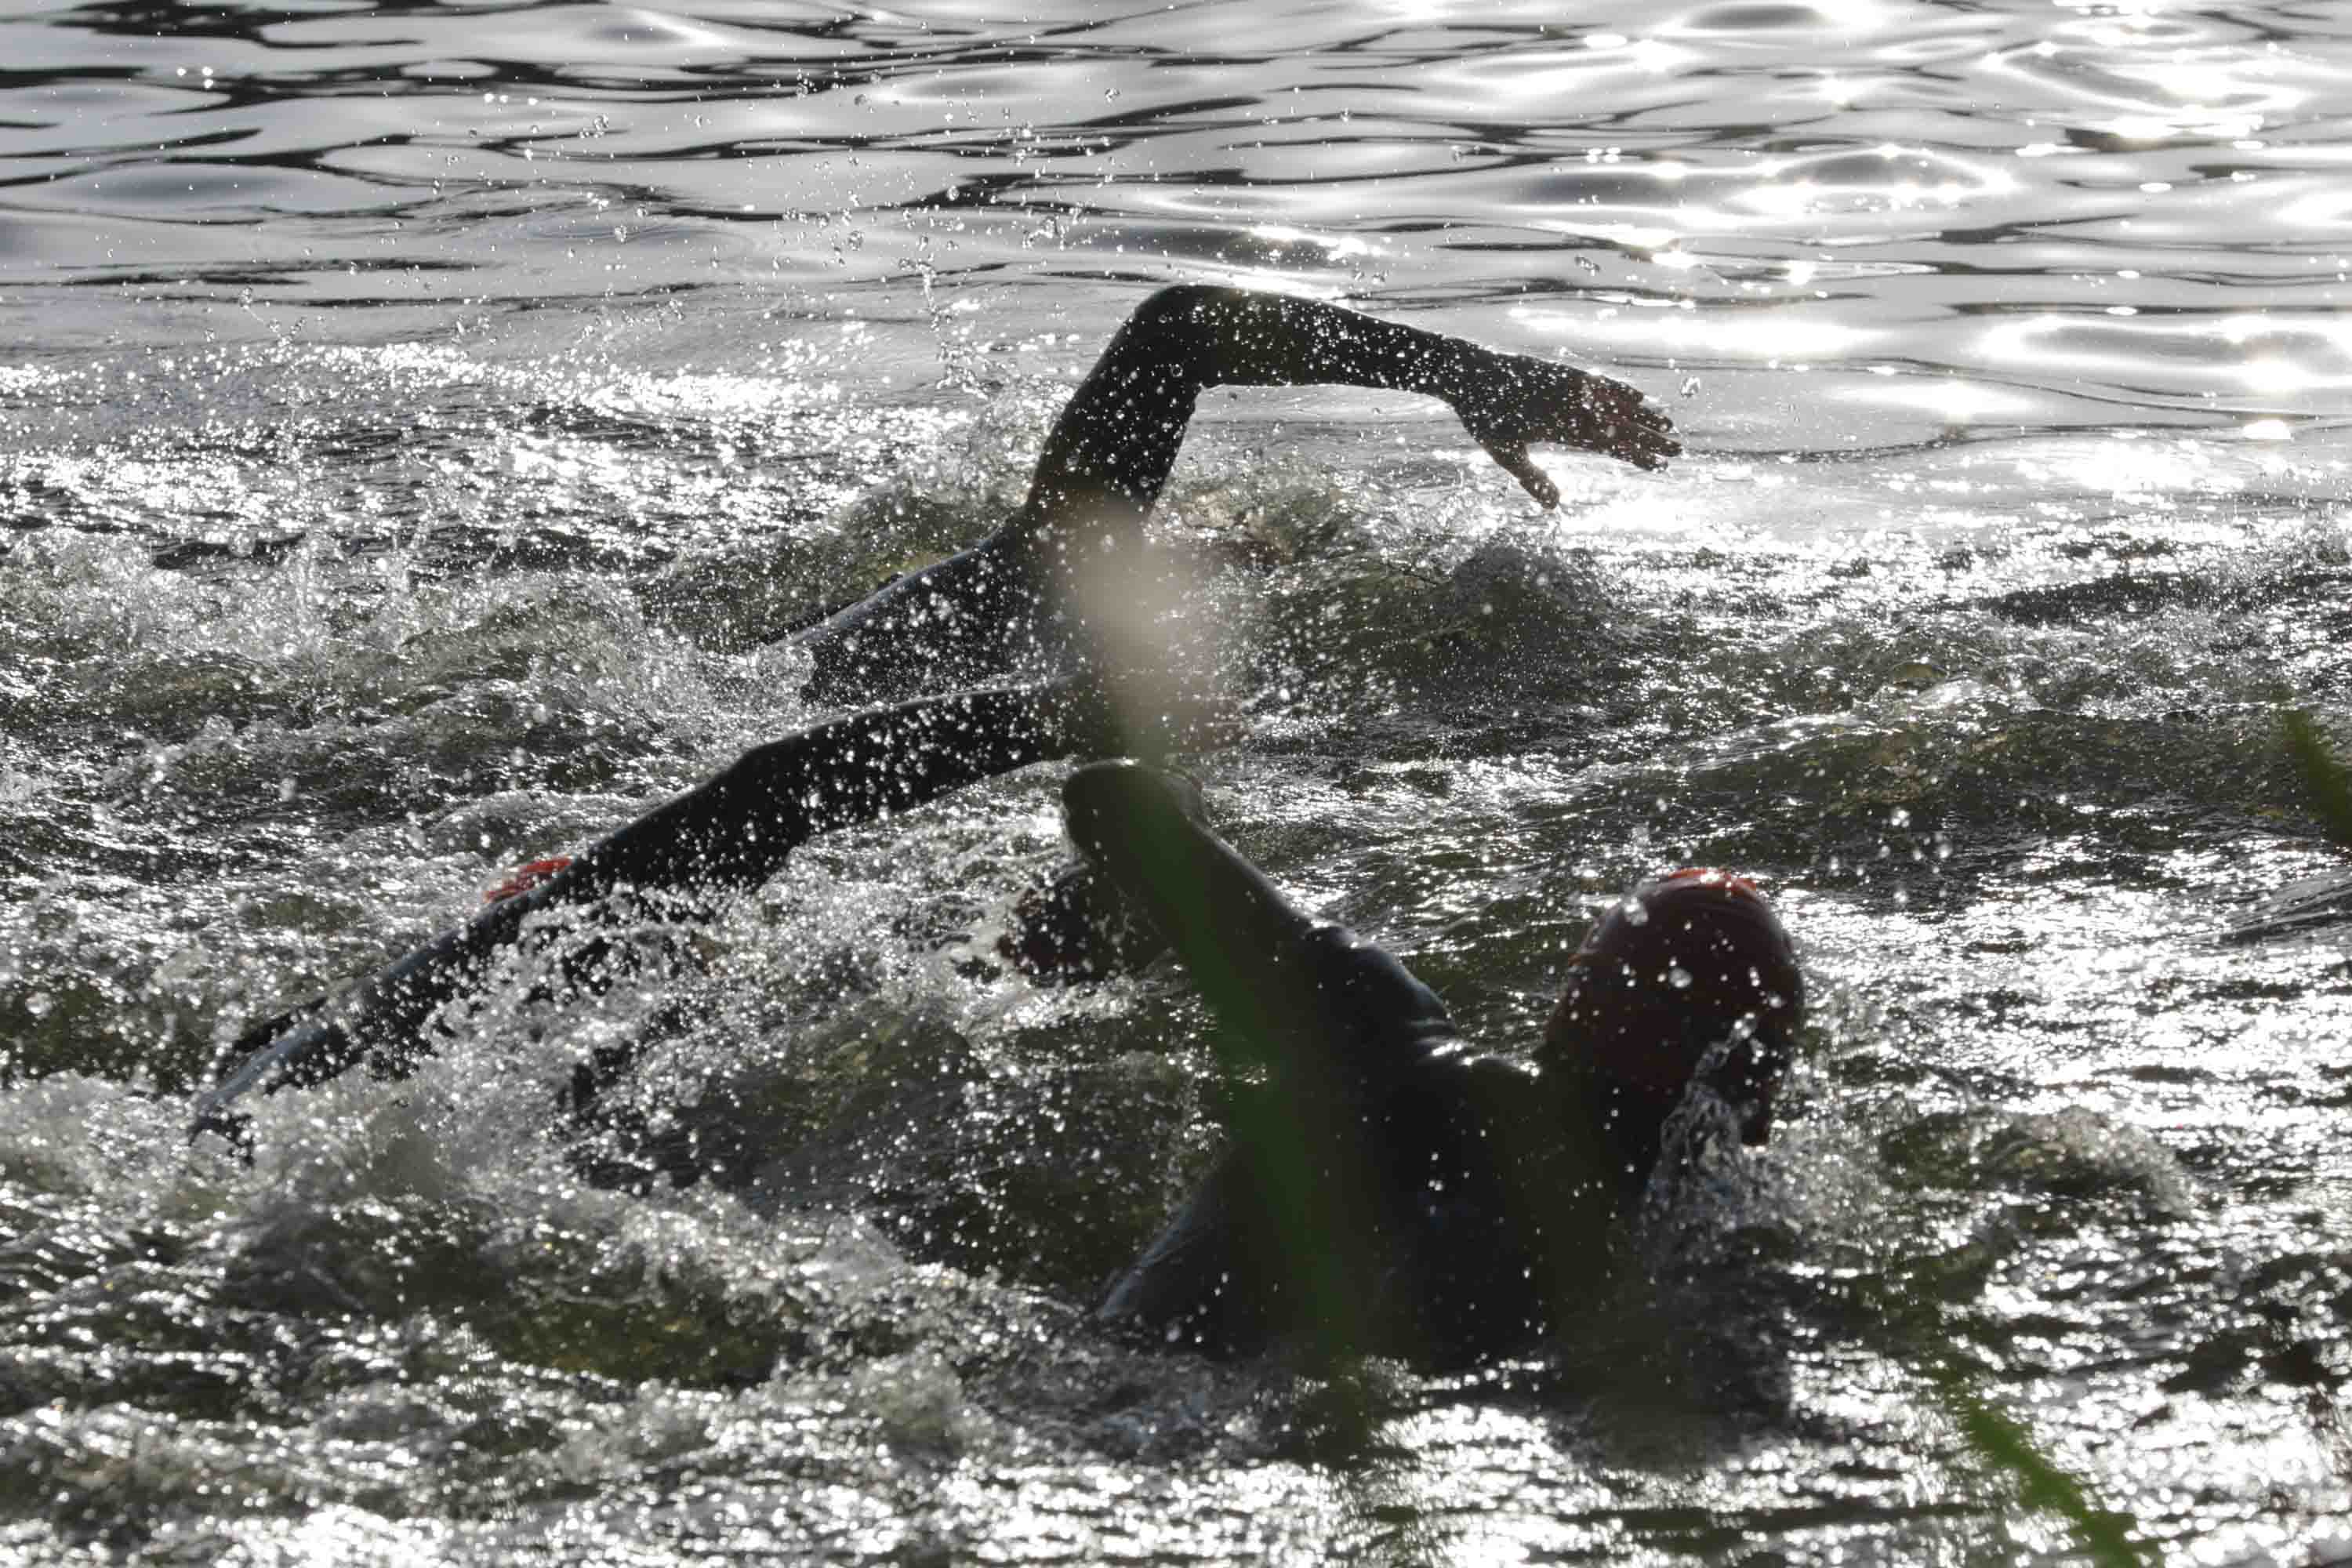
x,y
1187,301
1184,315
1113,807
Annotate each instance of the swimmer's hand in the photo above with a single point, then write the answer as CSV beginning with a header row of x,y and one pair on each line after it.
x,y
1521,401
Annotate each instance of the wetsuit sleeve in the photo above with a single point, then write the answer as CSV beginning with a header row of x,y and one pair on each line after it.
x,y
730,835
958,621
1111,450
735,831
1310,1000
1285,1228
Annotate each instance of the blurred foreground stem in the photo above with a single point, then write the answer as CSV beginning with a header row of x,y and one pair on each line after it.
x,y
2000,1442
2326,781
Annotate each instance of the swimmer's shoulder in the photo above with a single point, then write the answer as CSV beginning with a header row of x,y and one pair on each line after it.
x,y
1378,1000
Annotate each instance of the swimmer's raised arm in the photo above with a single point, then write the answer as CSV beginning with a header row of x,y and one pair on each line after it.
x,y
1228,923
999,604
1348,1038
1111,450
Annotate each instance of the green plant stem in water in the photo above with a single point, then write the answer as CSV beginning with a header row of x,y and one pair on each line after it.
x,y
2000,1442
2327,782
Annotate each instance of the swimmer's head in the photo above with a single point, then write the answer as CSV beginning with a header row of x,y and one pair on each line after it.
x,y
1680,966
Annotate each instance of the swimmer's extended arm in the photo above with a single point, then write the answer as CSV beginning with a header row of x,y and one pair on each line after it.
x,y
1111,450
729,834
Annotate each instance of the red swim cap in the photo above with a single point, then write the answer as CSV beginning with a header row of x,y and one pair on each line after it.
x,y
523,878
1682,964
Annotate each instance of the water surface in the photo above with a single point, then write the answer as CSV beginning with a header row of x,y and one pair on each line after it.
x,y
414,418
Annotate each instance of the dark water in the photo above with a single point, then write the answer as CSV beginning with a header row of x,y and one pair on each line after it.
x,y
413,419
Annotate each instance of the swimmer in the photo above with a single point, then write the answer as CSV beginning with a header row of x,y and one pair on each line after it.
x,y
997,608
1002,604
1387,1188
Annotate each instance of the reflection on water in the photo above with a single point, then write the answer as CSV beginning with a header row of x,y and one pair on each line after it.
x,y
2030,172
414,421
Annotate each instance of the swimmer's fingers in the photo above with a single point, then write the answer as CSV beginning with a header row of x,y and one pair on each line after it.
x,y
1607,415
1531,401
1514,460
1569,407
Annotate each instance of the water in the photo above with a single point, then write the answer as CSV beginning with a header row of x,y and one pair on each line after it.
x,y
416,418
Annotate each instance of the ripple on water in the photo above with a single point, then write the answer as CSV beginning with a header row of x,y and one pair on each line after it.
x,y
2286,359
747,311
2175,76
656,47
1888,178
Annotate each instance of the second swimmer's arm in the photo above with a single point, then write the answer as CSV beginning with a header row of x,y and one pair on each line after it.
x,y
729,834
734,832
1112,449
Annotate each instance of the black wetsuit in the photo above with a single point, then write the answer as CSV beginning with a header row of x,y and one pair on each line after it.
x,y
1387,1188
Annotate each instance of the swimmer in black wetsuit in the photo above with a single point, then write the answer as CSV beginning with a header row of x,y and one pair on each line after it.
x,y
1003,605
1388,1188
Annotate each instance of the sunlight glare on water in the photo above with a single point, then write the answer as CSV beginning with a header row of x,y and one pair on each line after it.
x,y
417,425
